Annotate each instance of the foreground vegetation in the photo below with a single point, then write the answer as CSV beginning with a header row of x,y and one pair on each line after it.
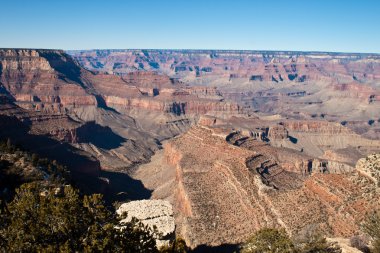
x,y
60,220
41,212
269,240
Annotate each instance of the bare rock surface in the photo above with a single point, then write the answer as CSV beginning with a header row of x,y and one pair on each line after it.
x,y
153,213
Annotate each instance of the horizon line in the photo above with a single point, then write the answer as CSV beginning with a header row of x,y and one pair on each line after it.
x,y
200,50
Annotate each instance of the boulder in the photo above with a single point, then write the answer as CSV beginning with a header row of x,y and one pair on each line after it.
x,y
153,213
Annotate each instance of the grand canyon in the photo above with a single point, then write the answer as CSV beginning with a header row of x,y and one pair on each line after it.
x,y
225,142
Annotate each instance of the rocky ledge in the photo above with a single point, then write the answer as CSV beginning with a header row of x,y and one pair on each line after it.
x,y
154,214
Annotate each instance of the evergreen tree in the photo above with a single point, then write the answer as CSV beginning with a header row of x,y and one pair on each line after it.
x,y
40,220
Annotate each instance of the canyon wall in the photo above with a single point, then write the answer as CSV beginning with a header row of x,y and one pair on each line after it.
x,y
339,87
43,77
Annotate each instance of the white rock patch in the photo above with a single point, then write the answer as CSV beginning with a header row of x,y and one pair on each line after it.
x,y
153,213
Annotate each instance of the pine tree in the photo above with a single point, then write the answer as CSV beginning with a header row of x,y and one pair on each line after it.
x,y
39,220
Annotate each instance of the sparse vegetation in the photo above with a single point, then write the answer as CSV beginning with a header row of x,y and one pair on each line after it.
x,y
317,244
372,228
269,240
360,243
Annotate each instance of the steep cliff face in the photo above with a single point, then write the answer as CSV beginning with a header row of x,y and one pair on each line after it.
x,y
175,101
43,77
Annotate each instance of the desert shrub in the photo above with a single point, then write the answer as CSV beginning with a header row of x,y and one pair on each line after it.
x,y
372,228
318,244
40,220
269,240
359,243
177,246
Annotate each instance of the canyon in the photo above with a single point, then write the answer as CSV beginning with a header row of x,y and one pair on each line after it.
x,y
340,87
229,141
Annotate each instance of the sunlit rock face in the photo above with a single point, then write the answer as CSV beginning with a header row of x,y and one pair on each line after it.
x,y
156,214
43,78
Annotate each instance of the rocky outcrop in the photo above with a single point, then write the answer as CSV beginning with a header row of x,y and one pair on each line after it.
x,y
277,132
271,159
370,167
344,244
156,214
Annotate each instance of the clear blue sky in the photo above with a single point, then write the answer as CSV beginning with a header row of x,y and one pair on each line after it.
x,y
309,25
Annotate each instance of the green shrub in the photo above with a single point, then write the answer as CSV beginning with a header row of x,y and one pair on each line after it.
x,y
372,228
269,240
318,244
39,220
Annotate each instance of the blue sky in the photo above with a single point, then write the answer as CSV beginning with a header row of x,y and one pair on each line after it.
x,y
305,25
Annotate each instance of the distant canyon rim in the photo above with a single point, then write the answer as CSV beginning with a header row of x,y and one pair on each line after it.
x,y
234,140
